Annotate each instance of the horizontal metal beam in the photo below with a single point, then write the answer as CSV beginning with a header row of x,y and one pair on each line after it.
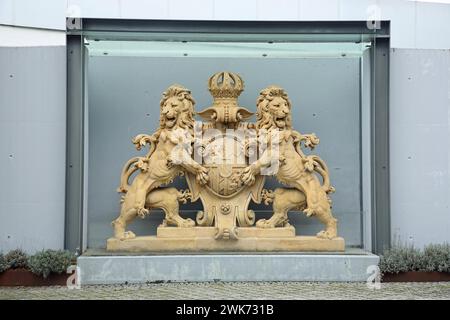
x,y
75,25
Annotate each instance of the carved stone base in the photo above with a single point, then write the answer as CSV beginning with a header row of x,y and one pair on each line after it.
x,y
173,239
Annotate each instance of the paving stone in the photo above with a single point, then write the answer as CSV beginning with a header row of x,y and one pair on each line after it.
x,y
236,290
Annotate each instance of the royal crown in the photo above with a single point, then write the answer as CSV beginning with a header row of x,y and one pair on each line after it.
x,y
225,85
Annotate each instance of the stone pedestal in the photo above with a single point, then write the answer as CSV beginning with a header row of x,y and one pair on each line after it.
x,y
251,239
103,267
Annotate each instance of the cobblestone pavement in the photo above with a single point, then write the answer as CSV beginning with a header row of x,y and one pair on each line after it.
x,y
241,290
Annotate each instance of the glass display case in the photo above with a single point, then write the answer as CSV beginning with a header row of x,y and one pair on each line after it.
x,y
330,78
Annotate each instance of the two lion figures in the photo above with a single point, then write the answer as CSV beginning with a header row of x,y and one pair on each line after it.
x,y
306,176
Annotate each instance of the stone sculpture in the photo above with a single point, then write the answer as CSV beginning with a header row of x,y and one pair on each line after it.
x,y
157,168
225,161
295,170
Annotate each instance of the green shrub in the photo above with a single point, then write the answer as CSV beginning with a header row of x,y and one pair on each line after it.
x,y
434,257
50,261
16,259
399,259
3,264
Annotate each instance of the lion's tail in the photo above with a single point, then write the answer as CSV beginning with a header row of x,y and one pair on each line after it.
x,y
321,168
128,169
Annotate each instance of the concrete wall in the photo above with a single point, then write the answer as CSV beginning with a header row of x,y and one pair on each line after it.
x,y
415,24
420,103
420,145
32,152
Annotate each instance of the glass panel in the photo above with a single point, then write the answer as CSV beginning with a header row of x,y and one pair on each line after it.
x,y
227,37
324,80
225,49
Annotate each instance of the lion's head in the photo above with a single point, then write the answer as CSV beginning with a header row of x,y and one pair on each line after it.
x,y
177,108
273,109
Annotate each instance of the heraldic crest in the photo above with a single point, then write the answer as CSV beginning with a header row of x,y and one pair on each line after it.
x,y
225,160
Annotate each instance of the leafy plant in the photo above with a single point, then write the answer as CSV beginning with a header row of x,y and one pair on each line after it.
x,y
398,259
16,259
50,261
434,257
3,264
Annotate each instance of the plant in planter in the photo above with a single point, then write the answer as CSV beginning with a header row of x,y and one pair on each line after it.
x,y
406,263
17,259
436,257
3,264
50,261
47,267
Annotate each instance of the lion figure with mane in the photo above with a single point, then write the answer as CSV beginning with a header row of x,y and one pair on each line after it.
x,y
294,169
168,156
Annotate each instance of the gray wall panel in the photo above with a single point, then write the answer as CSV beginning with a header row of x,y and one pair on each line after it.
x,y
124,94
32,152
420,145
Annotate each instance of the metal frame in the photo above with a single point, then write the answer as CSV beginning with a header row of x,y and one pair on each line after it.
x,y
75,233
77,25
381,217
74,143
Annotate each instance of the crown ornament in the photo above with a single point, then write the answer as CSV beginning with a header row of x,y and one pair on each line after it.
x,y
225,87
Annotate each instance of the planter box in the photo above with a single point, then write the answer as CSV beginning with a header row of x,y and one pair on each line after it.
x,y
23,277
416,276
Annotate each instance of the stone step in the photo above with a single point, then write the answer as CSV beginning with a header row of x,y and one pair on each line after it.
x,y
225,267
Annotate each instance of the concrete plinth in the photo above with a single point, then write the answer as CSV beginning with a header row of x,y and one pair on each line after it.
x,y
107,269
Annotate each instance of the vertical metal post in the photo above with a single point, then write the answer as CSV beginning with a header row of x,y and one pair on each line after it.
x,y
381,224
74,152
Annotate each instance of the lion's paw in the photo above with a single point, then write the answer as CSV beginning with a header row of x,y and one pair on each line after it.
x,y
180,222
327,234
187,223
142,212
263,223
309,212
273,222
127,235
